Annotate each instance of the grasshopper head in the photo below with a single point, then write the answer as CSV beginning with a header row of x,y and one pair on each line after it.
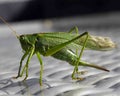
x,y
27,41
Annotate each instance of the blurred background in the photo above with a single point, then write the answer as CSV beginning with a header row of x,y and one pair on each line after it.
x,y
86,14
19,10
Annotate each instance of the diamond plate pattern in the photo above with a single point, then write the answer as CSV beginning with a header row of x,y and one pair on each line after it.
x,y
57,74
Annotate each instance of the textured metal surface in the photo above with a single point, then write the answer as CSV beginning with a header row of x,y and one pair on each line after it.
x,y
57,74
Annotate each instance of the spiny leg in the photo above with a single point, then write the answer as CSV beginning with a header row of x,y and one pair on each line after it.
x,y
57,48
41,67
23,70
77,63
26,65
23,57
75,29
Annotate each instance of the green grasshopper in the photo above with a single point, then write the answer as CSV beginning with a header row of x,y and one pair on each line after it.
x,y
60,45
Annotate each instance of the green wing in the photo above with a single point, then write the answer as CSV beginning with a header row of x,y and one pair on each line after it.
x,y
93,42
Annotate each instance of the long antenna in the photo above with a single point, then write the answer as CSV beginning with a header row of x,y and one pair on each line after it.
x,y
14,32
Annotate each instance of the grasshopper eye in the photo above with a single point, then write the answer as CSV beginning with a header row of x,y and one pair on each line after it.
x,y
22,37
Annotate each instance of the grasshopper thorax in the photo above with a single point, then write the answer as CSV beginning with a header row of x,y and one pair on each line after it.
x,y
27,41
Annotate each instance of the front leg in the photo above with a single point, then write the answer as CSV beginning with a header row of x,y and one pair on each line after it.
x,y
28,60
22,59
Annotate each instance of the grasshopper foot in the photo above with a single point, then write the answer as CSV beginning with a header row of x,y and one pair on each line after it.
x,y
16,77
81,72
75,75
25,78
77,78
